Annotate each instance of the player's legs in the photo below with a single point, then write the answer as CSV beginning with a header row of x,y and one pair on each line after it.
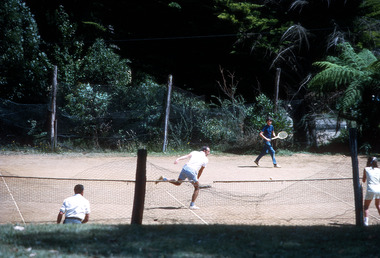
x,y
272,153
366,207
377,204
195,195
366,211
193,178
175,182
196,192
262,153
369,196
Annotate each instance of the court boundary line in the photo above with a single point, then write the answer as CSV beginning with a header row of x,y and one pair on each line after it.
x,y
13,199
331,195
349,204
187,208
283,180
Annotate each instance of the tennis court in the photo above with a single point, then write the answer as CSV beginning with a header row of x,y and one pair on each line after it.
x,y
240,193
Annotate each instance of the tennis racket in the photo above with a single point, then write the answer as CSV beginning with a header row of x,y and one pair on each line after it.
x,y
281,135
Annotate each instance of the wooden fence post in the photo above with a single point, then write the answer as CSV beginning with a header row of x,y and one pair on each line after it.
x,y
140,186
167,113
358,192
53,123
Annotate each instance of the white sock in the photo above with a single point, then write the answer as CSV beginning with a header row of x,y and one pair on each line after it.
x,y
366,220
192,204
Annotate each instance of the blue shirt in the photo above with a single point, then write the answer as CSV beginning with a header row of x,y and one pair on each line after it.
x,y
268,131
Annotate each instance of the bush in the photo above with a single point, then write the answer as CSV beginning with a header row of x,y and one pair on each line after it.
x,y
235,126
88,109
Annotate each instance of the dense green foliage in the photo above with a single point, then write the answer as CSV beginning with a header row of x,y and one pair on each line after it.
x,y
112,67
24,67
368,25
355,77
349,72
88,108
236,124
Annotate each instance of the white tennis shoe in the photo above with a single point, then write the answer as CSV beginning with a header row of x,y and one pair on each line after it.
x,y
194,207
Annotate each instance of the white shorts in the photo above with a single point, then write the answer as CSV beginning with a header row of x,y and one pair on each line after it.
x,y
372,195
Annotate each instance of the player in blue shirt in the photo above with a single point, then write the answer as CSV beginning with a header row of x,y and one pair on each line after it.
x,y
266,133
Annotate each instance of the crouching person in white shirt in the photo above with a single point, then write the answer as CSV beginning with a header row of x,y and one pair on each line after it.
x,y
76,208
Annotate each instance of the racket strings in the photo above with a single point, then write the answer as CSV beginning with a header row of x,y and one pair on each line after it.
x,y
282,135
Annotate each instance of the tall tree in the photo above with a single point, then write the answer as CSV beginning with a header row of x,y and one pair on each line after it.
x,y
24,73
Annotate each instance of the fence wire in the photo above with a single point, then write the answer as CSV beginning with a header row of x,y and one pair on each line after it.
x,y
327,198
301,202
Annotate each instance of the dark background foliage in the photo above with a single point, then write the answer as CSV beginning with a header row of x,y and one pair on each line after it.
x,y
116,45
190,42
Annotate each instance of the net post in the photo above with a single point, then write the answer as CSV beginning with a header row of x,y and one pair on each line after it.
x,y
356,178
140,186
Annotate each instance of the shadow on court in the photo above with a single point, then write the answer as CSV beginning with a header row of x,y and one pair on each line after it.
x,y
190,241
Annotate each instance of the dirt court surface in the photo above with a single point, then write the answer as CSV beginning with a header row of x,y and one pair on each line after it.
x,y
226,167
165,203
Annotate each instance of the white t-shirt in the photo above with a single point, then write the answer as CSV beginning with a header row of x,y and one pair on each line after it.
x,y
373,179
198,159
76,206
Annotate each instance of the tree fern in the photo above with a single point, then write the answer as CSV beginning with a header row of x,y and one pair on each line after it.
x,y
351,97
367,57
374,70
349,72
332,77
350,58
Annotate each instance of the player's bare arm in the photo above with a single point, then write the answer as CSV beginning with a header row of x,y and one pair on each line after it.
x,y
200,172
265,138
182,158
59,217
86,218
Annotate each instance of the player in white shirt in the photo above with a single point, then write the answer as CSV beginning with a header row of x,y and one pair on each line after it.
x,y
192,170
371,174
76,208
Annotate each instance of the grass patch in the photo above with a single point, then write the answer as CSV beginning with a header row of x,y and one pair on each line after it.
x,y
94,240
